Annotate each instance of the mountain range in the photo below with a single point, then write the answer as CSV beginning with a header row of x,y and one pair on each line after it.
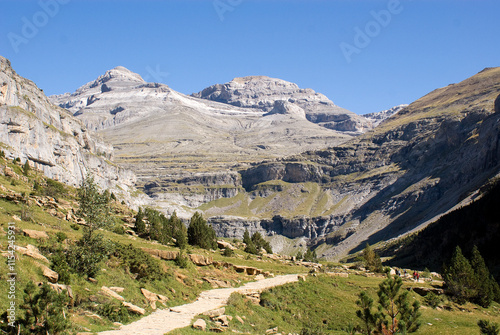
x,y
262,154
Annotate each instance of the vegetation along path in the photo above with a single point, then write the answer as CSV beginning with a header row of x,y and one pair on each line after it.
x,y
162,321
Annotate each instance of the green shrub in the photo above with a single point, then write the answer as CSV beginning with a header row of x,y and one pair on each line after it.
x,y
61,236
432,300
228,252
59,264
75,226
182,261
54,189
44,311
137,262
85,256
114,312
488,328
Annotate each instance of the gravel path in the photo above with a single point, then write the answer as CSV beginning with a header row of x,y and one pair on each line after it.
x,y
163,321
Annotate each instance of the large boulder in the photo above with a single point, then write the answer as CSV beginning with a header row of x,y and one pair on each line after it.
x,y
201,260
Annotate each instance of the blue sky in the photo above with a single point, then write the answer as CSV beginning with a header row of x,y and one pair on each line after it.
x,y
365,56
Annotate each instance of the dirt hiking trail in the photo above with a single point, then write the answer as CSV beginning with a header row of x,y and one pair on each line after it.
x,y
165,320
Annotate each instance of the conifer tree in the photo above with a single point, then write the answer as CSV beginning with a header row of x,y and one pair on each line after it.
x,y
459,277
200,233
140,226
371,260
179,231
366,315
483,280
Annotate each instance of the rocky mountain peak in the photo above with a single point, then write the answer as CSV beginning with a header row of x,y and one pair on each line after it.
x,y
119,76
262,92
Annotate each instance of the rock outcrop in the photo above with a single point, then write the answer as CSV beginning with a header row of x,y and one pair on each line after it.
x,y
417,165
51,138
262,92
379,117
187,151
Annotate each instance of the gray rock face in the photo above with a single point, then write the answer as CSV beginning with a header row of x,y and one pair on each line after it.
x,y
416,166
52,139
379,117
179,146
262,92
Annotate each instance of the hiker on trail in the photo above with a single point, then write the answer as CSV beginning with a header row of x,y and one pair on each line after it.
x,y
415,275
418,277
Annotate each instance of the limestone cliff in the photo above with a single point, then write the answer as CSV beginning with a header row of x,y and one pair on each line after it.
x,y
262,92
51,138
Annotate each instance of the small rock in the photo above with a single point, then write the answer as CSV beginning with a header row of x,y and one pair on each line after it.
x,y
215,312
200,324
117,289
272,330
133,308
35,233
260,277
224,320
301,277
92,280
51,275
111,293
240,319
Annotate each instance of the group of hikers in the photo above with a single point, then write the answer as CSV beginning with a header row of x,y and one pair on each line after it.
x,y
416,275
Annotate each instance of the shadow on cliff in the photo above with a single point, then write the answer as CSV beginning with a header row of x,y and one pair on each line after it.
x,y
460,166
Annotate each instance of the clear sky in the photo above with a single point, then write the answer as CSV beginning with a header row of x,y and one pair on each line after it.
x,y
365,56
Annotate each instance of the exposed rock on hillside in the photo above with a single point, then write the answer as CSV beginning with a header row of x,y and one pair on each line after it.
x,y
379,117
415,166
262,92
186,151
50,138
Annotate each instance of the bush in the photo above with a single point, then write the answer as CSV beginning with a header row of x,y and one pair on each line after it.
x,y
61,236
182,261
54,189
44,311
432,300
86,255
488,328
74,226
228,252
59,264
114,312
139,263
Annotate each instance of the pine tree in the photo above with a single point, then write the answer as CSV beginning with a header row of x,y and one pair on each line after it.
x,y
371,260
403,318
459,277
140,226
200,233
483,280
179,231
310,256
395,315
45,310
246,237
366,315
250,246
